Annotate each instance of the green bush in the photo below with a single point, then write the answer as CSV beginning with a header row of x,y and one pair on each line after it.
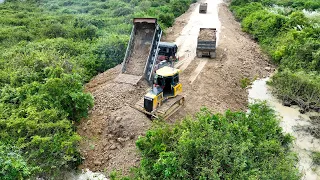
x,y
122,11
291,40
55,30
302,87
12,164
242,12
235,145
262,24
297,4
316,158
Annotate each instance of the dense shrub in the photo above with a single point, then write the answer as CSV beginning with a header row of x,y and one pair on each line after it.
x,y
242,12
262,24
292,41
301,87
12,164
122,11
235,145
297,4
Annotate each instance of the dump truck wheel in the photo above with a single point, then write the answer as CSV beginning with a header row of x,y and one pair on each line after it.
x,y
213,55
199,54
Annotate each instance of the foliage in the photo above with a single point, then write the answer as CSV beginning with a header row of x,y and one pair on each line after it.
x,y
298,86
245,82
242,12
292,41
12,164
316,158
234,145
297,4
49,49
262,24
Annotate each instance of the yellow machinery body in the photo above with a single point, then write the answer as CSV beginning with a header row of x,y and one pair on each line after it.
x,y
164,98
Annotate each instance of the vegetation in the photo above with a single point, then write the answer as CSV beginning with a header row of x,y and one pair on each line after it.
x,y
291,37
316,158
234,145
48,50
303,88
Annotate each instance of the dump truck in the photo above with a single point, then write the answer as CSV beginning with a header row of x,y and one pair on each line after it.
x,y
203,8
146,57
141,53
164,98
206,44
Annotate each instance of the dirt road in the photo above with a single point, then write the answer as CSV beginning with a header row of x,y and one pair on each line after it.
x,y
110,132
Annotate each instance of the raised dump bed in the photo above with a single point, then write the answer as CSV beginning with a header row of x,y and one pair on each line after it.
x,y
206,45
142,48
203,8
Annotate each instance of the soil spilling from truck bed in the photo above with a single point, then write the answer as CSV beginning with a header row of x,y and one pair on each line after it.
x,y
140,50
110,132
207,35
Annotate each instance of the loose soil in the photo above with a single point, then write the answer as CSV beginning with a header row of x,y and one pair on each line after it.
x,y
140,49
207,35
110,132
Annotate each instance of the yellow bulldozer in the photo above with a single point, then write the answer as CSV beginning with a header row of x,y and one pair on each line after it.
x,y
149,59
164,98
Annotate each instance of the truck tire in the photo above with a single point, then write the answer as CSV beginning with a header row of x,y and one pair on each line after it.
x,y
213,55
199,54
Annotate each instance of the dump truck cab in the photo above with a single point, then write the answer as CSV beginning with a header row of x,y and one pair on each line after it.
x,y
166,85
167,51
203,8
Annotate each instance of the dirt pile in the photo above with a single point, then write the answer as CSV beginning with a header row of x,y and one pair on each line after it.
x,y
110,132
207,35
141,48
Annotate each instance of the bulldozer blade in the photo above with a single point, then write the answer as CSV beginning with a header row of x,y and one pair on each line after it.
x,y
168,108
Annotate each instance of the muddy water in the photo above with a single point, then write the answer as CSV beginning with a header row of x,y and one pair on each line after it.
x,y
85,175
89,175
291,118
187,41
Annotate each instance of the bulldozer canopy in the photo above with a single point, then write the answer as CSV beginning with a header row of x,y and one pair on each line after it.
x,y
167,71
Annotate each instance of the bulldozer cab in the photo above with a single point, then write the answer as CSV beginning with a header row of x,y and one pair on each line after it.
x,y
167,78
164,98
167,50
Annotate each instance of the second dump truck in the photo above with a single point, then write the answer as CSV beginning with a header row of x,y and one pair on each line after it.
x,y
206,45
203,8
